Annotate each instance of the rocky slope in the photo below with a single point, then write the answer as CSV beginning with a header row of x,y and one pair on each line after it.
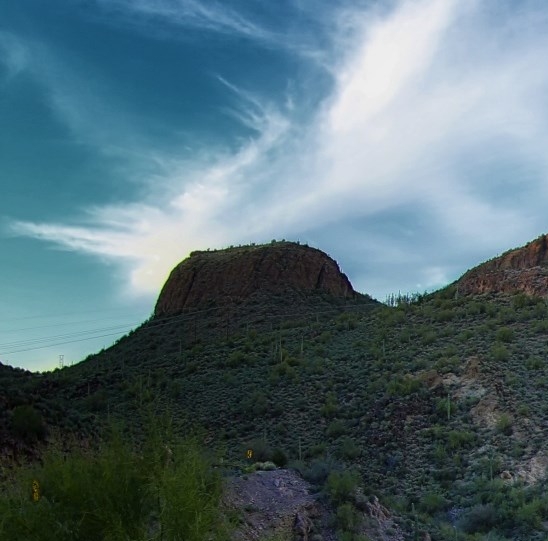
x,y
280,504
522,269
236,274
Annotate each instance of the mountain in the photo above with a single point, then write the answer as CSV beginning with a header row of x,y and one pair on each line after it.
x,y
522,269
436,406
240,274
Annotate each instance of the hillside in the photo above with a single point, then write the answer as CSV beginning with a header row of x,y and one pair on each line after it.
x,y
522,269
437,405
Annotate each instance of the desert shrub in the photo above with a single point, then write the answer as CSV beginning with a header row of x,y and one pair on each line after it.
x,y
348,449
534,363
530,514
347,518
460,438
428,338
520,300
507,315
27,423
504,424
500,353
479,519
318,471
237,358
330,408
114,493
524,410
445,407
279,458
403,386
97,401
541,326
445,315
335,429
341,486
432,502
475,308
261,450
505,334
317,450
257,404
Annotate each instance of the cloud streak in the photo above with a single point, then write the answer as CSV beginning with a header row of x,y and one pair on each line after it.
x,y
159,16
436,110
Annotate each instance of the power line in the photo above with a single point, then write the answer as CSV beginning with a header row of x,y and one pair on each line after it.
x,y
62,324
62,336
169,320
51,316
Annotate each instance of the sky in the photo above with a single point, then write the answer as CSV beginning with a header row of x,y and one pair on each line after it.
x,y
405,138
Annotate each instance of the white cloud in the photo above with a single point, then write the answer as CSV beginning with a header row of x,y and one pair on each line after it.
x,y
211,15
13,55
428,100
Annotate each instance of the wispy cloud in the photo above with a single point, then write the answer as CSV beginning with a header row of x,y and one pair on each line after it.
x,y
211,15
13,55
436,109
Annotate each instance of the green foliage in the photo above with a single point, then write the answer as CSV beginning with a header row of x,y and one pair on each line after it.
x,y
480,519
403,385
460,438
504,424
237,358
168,492
504,334
368,389
261,450
28,423
348,449
330,408
500,353
347,518
432,502
279,458
341,486
335,429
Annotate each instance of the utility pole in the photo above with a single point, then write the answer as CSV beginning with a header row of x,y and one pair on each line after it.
x,y
61,361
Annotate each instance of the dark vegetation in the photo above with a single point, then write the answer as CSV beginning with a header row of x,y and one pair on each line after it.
x,y
435,404
163,490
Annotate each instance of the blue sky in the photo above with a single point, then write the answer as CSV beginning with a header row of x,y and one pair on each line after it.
x,y
406,138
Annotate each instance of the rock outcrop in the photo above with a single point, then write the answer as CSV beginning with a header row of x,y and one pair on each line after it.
x,y
235,274
523,270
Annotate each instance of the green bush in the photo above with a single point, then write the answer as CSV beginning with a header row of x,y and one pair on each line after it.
x,y
348,449
348,519
341,486
480,518
460,438
279,458
167,491
335,429
504,424
403,385
500,353
433,502
27,423
261,450
505,334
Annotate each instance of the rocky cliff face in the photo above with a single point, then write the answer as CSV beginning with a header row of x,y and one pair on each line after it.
x,y
523,269
235,274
